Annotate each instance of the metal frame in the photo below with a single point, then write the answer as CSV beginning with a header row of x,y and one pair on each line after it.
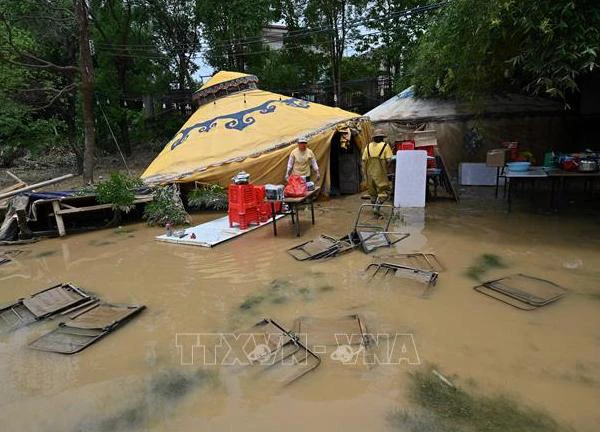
x,y
516,297
430,277
293,345
94,334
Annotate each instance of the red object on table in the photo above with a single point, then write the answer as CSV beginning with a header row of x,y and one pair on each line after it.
x,y
243,205
405,145
295,188
513,149
430,149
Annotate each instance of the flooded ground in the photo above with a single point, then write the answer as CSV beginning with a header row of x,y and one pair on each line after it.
x,y
547,360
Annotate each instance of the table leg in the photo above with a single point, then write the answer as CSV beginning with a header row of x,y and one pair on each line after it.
x,y
59,219
297,220
497,180
274,218
312,211
509,191
552,193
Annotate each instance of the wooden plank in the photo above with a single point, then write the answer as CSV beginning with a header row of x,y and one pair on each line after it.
x,y
13,187
15,177
79,209
35,186
72,209
59,220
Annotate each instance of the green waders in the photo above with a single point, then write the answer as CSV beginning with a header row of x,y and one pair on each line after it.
x,y
377,179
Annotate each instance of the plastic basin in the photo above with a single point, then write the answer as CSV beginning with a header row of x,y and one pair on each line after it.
x,y
518,166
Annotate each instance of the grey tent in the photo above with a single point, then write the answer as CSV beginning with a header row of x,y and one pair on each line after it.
x,y
538,124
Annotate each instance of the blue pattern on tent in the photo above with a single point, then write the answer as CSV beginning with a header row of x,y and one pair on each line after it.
x,y
238,120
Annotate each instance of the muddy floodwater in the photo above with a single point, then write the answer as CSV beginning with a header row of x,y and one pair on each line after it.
x,y
546,360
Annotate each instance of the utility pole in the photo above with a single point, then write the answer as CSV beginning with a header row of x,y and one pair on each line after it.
x,y
87,90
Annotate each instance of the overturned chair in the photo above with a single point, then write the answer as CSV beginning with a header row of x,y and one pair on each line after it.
x,y
86,327
41,305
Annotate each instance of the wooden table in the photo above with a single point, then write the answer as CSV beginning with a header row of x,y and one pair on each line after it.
x,y
294,203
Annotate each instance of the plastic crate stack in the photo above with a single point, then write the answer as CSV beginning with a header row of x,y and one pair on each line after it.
x,y
243,205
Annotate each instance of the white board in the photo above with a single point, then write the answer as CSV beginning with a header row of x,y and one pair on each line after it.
x,y
211,233
477,174
411,178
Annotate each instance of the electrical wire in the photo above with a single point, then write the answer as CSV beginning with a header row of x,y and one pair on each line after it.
x,y
290,35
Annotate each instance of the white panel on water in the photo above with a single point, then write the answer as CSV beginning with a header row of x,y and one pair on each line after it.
x,y
211,233
411,178
477,174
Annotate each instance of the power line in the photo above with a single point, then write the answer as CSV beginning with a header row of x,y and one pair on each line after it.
x,y
231,43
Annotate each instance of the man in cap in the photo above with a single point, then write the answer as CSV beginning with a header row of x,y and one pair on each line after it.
x,y
376,158
301,160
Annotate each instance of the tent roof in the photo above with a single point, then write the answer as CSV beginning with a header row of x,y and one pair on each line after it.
x,y
406,107
225,76
237,126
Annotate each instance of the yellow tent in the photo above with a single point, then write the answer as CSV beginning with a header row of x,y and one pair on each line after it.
x,y
239,127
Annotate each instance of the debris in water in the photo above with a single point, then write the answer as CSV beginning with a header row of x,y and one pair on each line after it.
x,y
123,230
522,291
442,378
572,265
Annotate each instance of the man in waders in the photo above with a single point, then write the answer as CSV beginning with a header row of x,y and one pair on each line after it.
x,y
376,158
301,161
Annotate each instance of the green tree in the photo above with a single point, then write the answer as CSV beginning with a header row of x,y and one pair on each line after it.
x,y
37,91
233,31
176,25
334,22
126,63
392,29
474,48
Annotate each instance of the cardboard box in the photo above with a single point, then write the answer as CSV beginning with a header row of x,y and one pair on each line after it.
x,y
497,157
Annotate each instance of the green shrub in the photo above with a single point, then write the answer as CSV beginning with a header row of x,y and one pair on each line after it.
x,y
119,191
213,197
166,208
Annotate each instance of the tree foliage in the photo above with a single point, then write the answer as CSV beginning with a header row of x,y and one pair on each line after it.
x,y
476,48
233,31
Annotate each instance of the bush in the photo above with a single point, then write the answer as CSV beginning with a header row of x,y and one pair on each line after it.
x,y
118,190
213,197
166,208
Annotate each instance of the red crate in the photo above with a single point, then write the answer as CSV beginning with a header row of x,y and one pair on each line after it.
x,y
430,149
242,198
244,219
259,191
242,194
405,145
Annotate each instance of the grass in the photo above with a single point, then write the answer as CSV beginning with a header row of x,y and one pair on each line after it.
x,y
281,291
173,385
445,408
45,254
166,386
100,242
483,264
251,302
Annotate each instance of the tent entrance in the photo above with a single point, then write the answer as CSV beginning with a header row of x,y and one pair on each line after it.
x,y
344,167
